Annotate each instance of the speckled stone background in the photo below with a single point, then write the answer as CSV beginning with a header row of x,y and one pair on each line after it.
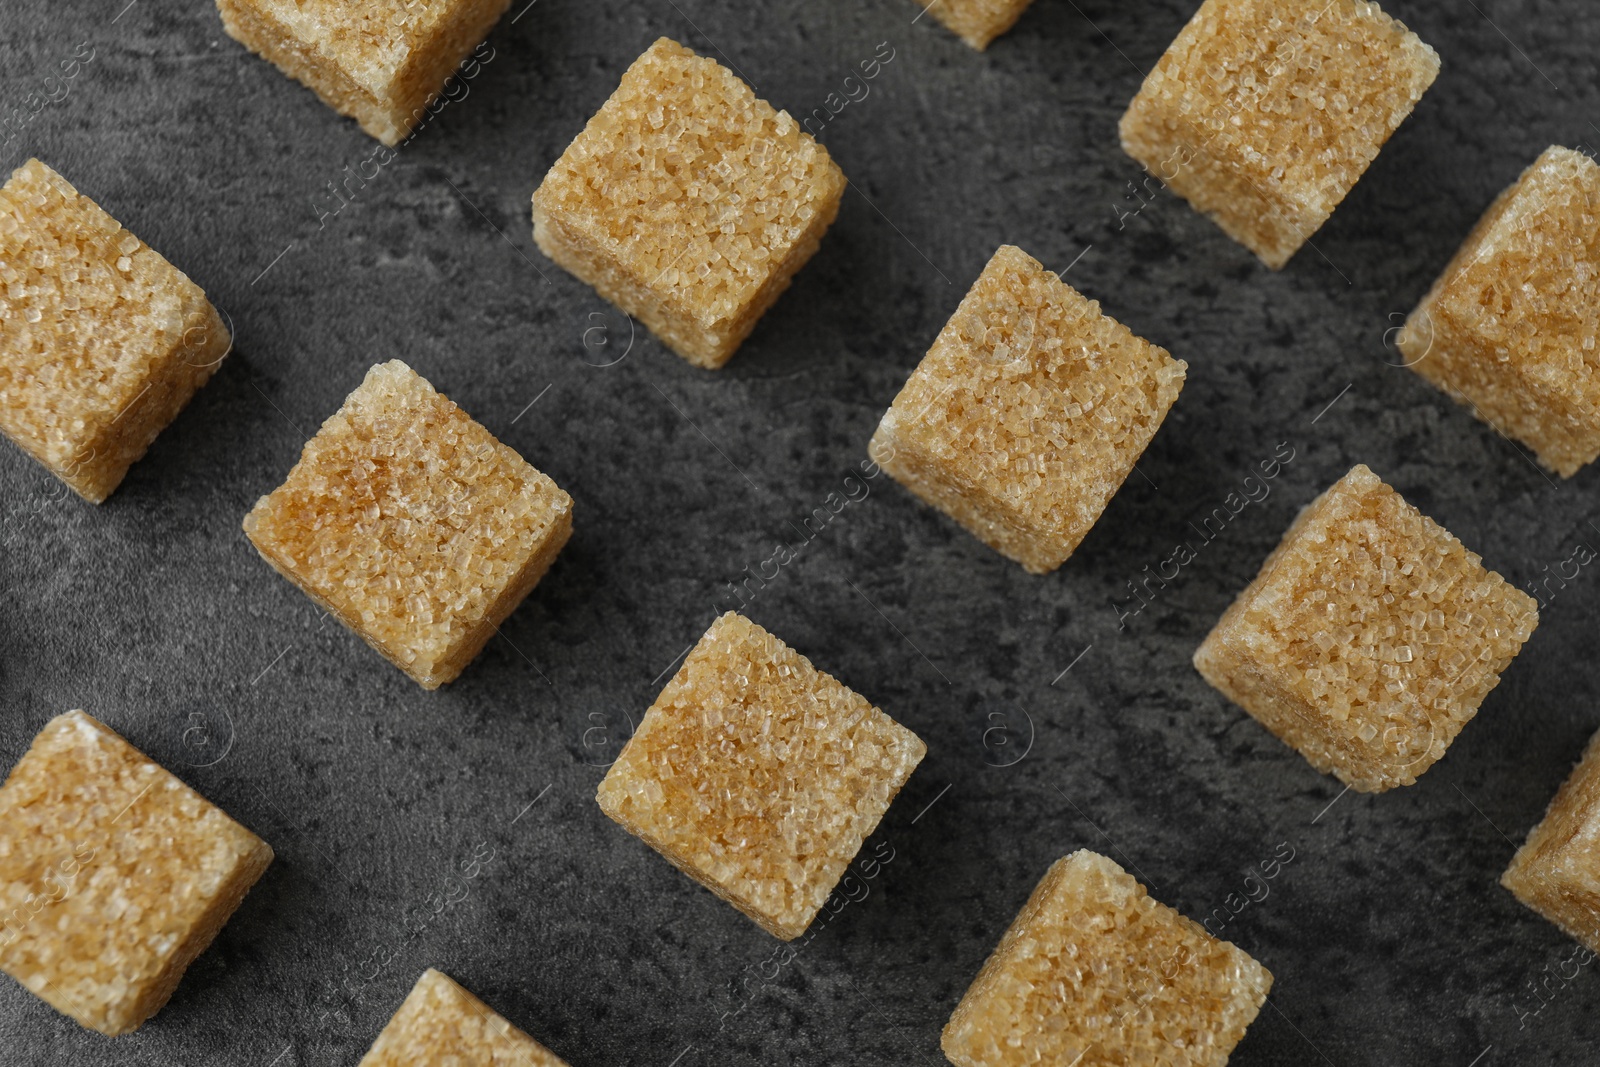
x,y
458,829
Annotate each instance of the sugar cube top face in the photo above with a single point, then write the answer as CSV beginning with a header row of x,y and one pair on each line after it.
x,y
688,202
1028,412
441,1023
103,341
758,775
1556,872
1095,971
412,525
379,61
977,22
1369,638
1512,327
114,875
1265,113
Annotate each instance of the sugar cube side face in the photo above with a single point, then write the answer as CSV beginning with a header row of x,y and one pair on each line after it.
x,y
1263,114
758,775
104,341
977,22
1512,327
688,202
381,62
1369,638
440,1022
1556,872
1093,965
1028,413
114,875
409,523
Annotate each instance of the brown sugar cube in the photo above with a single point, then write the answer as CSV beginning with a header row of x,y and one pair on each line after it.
x,y
688,202
1556,872
114,875
381,62
1264,114
1028,413
1369,638
758,775
441,1023
103,342
1510,329
976,22
1094,971
412,525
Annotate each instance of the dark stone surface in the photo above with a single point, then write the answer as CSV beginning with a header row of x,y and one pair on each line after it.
x,y
1390,939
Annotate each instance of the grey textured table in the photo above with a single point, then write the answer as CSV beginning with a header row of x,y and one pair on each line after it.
x,y
458,828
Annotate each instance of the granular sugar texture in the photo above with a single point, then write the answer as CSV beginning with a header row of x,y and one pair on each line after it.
x,y
412,525
1369,638
440,1024
688,202
380,62
1556,872
102,341
1264,114
758,775
1512,327
114,875
1095,971
1028,413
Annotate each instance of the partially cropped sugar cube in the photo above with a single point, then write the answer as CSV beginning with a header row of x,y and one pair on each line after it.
x,y
1370,637
977,22
1512,327
441,1023
103,341
688,202
380,62
412,525
114,875
1028,413
758,775
1264,114
1093,970
1556,872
